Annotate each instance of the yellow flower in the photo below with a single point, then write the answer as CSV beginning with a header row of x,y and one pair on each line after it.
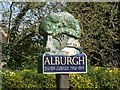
x,y
110,71
96,68
115,69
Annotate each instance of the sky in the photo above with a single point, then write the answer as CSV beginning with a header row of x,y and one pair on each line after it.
x,y
4,6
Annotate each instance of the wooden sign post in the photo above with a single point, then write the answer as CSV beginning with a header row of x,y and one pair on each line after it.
x,y
61,53
62,81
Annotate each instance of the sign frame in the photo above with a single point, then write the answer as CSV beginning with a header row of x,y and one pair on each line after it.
x,y
63,72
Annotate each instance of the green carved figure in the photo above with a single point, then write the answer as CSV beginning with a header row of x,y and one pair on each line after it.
x,y
62,31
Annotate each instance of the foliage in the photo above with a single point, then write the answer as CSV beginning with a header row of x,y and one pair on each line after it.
x,y
100,33
104,77
96,77
79,81
99,38
27,79
24,42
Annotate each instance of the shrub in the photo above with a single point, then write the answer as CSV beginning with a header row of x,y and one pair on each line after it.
x,y
95,78
105,77
79,81
27,79
11,79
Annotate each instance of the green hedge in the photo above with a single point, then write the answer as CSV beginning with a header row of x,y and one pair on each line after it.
x,y
95,78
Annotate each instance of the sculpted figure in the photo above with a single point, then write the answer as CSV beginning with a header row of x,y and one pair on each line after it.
x,y
61,31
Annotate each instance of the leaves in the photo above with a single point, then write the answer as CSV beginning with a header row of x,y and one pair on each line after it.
x,y
100,31
24,40
95,78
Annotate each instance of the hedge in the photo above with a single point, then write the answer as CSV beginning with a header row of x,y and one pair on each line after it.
x,y
95,78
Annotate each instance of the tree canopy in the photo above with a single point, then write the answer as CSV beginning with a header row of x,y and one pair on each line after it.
x,y
100,38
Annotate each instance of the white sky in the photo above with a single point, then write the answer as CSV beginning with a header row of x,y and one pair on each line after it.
x,y
4,5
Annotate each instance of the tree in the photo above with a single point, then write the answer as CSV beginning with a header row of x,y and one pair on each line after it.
x,y
98,21
24,41
100,36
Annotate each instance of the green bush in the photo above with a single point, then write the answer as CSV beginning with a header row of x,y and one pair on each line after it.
x,y
105,77
26,79
79,81
94,78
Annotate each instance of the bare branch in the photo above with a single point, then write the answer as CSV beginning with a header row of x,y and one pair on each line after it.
x,y
18,19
